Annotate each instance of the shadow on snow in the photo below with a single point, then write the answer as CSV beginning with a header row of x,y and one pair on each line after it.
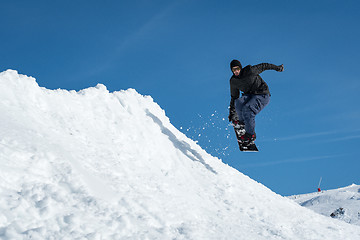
x,y
181,145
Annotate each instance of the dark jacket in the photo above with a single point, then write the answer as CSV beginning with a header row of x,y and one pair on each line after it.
x,y
249,81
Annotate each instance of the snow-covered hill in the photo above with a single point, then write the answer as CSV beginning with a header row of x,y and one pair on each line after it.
x,y
99,165
343,203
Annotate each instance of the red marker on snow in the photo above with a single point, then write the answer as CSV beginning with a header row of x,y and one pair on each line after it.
x,y
319,190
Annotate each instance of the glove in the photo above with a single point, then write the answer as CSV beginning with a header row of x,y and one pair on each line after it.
x,y
280,68
232,115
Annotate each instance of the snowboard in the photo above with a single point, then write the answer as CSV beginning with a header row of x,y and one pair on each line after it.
x,y
244,148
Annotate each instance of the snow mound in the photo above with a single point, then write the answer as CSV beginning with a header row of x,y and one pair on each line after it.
x,y
99,165
342,203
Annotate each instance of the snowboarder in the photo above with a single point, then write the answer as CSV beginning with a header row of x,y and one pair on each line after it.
x,y
255,96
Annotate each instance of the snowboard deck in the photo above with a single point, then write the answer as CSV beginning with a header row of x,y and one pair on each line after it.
x,y
249,148
245,148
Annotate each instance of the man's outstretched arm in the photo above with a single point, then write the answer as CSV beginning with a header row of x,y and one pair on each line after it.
x,y
257,69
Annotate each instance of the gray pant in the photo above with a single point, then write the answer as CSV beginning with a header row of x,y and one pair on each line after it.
x,y
248,106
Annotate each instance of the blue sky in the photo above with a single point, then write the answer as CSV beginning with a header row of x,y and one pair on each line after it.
x,y
179,52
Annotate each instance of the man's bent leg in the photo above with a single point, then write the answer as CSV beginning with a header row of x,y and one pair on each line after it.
x,y
239,106
251,109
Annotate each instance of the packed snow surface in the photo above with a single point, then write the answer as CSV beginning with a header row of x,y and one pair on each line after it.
x,y
99,165
342,203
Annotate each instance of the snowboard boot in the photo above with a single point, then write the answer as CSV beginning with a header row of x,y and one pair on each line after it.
x,y
239,127
248,139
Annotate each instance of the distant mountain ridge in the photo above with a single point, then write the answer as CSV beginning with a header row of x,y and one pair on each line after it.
x,y
342,203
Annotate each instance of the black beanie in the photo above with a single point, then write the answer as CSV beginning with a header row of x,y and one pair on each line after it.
x,y
235,63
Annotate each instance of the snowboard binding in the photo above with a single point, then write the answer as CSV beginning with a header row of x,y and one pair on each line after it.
x,y
245,141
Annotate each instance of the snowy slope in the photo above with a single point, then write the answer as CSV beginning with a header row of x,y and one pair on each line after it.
x,y
343,203
99,165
